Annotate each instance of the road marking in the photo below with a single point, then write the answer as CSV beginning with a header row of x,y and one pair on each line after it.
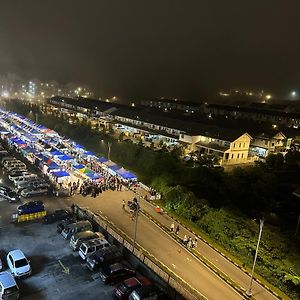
x,y
188,259
173,266
65,269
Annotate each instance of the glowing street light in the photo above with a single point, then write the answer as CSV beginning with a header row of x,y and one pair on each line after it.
x,y
293,93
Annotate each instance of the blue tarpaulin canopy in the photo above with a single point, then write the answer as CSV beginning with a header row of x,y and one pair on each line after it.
x,y
77,167
102,159
65,157
128,175
56,153
89,153
53,166
60,174
78,146
115,167
30,150
93,176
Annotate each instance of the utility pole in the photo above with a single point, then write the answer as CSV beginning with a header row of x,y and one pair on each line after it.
x,y
261,225
136,214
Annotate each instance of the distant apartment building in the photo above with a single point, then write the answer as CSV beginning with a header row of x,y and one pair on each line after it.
x,y
172,104
274,114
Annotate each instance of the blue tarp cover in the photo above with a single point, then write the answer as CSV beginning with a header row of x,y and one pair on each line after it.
x,y
60,173
102,159
65,157
77,167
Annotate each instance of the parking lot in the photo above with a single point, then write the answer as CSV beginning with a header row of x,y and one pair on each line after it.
x,y
51,258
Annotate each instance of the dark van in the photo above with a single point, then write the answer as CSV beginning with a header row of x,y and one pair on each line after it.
x,y
104,257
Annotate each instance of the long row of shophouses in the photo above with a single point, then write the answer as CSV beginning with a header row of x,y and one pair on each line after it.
x,y
232,144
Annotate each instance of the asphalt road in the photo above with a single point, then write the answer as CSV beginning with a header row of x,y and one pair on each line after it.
x,y
165,248
161,245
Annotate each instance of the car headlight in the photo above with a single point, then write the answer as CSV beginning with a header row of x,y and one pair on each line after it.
x,y
13,198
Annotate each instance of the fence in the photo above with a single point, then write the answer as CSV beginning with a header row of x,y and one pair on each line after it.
x,y
142,254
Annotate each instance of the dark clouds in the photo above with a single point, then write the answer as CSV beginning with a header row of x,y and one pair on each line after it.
x,y
153,48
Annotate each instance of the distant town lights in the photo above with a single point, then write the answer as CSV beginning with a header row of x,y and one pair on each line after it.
x,y
268,97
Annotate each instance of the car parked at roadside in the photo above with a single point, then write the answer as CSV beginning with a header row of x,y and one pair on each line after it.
x,y
124,289
34,191
57,215
8,194
31,207
9,289
17,174
32,182
116,272
25,178
18,264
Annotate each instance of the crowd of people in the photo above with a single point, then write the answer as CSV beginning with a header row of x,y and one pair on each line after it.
x,y
189,242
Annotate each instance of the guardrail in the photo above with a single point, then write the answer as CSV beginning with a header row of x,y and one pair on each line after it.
x,y
181,286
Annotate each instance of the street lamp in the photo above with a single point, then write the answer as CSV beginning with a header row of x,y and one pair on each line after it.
x,y
261,225
136,209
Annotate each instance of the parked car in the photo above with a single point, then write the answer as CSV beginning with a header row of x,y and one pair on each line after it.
x,y
7,158
57,215
16,169
9,289
79,226
104,257
124,289
116,272
32,182
146,292
15,165
31,207
8,194
78,238
62,225
25,178
17,174
34,192
90,247
18,264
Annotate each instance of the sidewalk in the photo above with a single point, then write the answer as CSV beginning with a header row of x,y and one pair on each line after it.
x,y
230,269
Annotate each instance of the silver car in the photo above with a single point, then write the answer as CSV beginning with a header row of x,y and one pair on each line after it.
x,y
34,191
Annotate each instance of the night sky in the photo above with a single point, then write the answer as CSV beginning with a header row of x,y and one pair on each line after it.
x,y
186,49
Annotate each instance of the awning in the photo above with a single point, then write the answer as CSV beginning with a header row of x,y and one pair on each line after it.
x,y
102,160
94,176
65,157
78,167
114,167
60,174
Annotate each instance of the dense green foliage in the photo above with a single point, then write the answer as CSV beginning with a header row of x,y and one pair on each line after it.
x,y
222,204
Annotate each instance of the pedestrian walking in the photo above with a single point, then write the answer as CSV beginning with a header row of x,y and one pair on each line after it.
x,y
185,239
194,243
123,204
177,229
172,227
189,243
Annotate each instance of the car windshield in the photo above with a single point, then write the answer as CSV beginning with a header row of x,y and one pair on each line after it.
x,y
21,263
11,194
10,290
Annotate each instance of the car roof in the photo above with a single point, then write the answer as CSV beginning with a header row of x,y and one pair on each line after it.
x,y
117,266
17,254
96,242
7,280
131,282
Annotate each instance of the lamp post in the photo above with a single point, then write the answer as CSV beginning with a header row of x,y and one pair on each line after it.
x,y
261,225
136,214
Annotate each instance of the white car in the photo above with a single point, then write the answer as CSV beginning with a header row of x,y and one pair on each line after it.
x,y
15,175
25,177
34,191
18,264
